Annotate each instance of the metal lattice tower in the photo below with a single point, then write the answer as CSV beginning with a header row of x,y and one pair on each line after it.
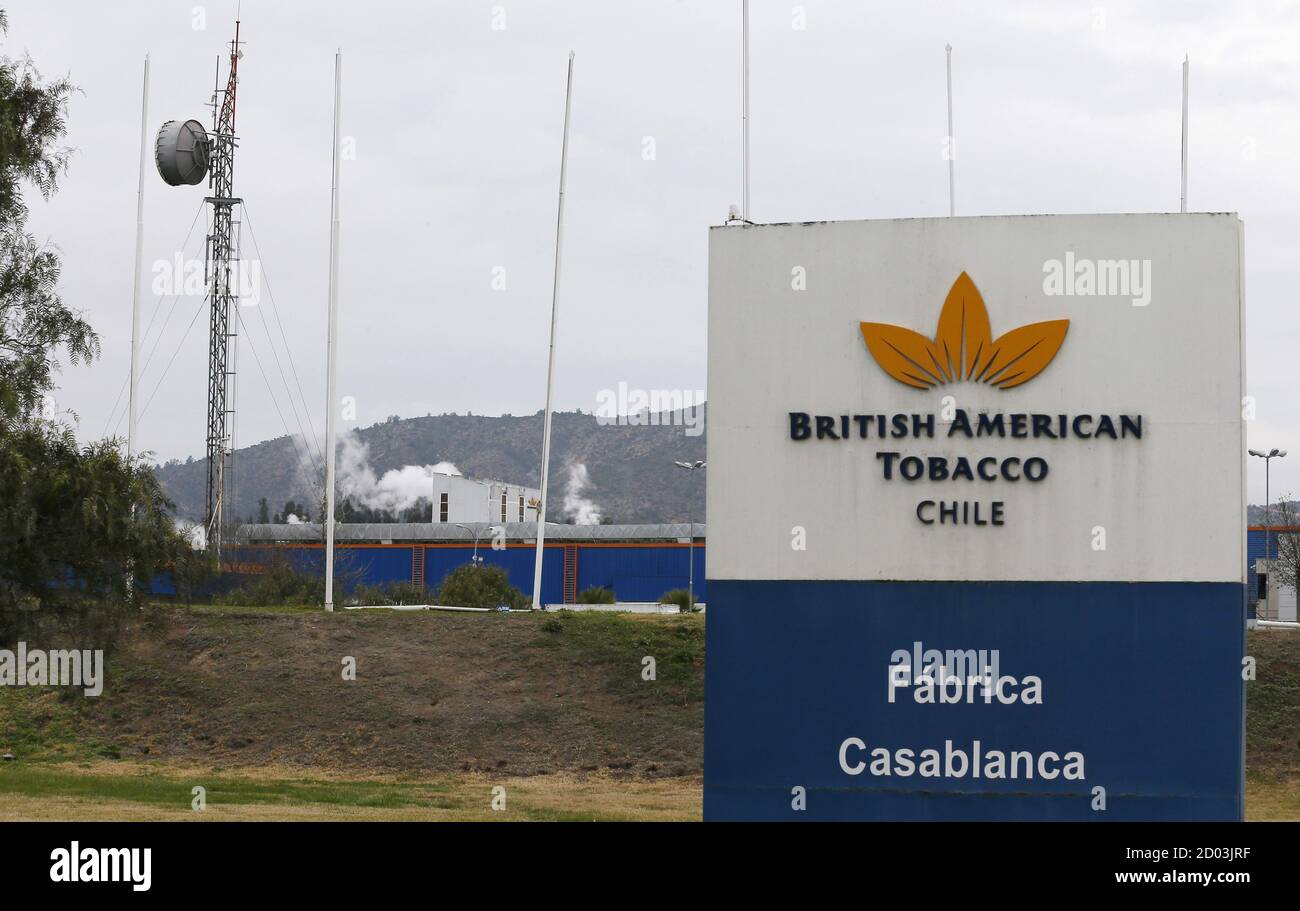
x,y
222,259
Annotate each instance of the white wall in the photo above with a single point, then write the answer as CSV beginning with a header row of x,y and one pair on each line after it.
x,y
1171,504
1287,603
472,500
1281,603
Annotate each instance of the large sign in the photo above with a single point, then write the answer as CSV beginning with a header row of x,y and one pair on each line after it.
x,y
976,511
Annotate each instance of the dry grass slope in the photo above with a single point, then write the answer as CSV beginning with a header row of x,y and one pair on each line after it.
x,y
252,706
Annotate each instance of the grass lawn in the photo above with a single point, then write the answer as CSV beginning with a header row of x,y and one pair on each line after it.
x,y
1272,799
131,791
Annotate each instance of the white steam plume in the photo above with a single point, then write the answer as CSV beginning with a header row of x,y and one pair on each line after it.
x,y
196,534
576,506
396,490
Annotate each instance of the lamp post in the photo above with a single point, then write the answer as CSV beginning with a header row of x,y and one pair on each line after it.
x,y
690,584
477,534
1268,516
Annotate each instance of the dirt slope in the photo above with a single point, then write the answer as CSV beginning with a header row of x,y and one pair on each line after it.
x,y
515,693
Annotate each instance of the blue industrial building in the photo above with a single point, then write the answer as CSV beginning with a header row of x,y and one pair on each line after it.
x,y
1280,603
638,562
1256,536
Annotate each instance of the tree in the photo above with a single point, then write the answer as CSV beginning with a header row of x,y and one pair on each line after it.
x,y
33,318
263,511
75,523
194,567
1284,519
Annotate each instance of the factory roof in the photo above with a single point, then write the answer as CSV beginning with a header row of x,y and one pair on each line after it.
x,y
395,532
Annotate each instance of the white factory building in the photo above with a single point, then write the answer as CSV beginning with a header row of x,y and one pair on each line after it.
x,y
1275,592
460,499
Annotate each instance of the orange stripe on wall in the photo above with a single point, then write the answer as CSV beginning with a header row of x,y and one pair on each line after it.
x,y
470,545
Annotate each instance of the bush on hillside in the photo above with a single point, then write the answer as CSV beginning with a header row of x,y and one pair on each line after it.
x,y
681,597
480,586
597,594
279,585
390,594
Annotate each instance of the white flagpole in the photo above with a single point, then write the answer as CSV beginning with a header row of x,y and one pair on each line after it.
x,y
1182,199
744,111
139,260
952,142
550,363
331,344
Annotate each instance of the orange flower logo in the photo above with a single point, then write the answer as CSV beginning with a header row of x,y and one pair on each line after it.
x,y
963,348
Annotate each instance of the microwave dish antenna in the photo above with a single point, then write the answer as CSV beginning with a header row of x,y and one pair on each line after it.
x,y
181,153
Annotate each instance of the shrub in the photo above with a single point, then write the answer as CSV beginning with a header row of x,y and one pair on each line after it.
x,y
597,594
279,585
480,586
390,593
681,597
194,572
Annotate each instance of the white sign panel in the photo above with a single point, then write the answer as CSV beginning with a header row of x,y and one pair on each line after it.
x,y
1007,398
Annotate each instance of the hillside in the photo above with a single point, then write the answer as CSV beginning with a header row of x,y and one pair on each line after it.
x,y
1259,515
517,694
630,469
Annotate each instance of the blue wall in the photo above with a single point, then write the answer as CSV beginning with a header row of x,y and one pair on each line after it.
x,y
640,573
635,572
372,565
518,562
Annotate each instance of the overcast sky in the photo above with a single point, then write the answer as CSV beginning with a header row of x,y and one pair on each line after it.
x,y
456,125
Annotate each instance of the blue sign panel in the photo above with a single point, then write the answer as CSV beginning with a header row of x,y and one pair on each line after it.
x,y
1134,684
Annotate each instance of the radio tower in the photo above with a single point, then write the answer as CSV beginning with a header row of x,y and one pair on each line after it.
x,y
186,153
222,259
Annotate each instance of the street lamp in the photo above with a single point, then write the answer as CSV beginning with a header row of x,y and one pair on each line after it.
x,y
1268,516
690,589
477,534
